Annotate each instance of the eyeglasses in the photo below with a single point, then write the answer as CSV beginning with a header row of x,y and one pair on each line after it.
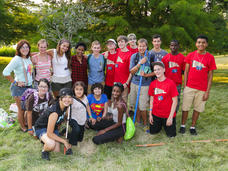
x,y
44,87
24,47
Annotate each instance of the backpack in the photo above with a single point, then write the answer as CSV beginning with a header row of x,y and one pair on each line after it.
x,y
150,62
104,61
27,93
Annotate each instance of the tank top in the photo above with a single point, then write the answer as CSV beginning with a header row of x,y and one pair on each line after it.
x,y
43,68
114,111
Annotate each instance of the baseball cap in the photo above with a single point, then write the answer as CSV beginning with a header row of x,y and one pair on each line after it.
x,y
65,92
111,40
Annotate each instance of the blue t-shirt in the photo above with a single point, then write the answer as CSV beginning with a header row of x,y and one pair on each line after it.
x,y
158,55
96,69
97,107
146,69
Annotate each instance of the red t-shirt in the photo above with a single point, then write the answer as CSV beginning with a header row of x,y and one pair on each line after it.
x,y
122,66
163,92
200,65
174,65
110,69
132,50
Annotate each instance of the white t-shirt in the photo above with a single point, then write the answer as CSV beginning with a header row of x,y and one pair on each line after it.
x,y
79,111
114,112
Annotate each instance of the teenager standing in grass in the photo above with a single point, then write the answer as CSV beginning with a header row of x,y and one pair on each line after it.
x,y
132,43
157,51
79,65
96,65
42,63
21,65
47,124
110,67
37,103
61,63
122,73
198,76
143,57
113,129
174,66
163,102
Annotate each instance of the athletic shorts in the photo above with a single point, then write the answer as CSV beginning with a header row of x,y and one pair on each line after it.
x,y
195,97
143,97
58,86
18,91
159,122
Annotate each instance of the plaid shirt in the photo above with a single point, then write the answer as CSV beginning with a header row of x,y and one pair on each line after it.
x,y
79,70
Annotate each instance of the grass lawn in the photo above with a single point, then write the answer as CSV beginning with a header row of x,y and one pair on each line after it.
x,y
19,151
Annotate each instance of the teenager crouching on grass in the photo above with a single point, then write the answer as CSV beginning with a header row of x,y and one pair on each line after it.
x,y
163,102
21,65
114,128
46,126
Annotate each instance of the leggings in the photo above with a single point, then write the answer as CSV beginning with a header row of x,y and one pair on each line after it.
x,y
77,132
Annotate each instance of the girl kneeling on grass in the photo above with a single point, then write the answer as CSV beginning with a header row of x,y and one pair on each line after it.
x,y
78,117
21,65
37,103
46,126
117,126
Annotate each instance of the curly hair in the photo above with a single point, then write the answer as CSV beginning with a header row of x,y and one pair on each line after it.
x,y
97,85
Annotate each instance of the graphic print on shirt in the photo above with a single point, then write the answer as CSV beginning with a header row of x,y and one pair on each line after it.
x,y
161,92
146,70
119,60
41,107
197,65
172,65
97,108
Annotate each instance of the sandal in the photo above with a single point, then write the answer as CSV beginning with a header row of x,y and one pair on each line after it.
x,y
24,130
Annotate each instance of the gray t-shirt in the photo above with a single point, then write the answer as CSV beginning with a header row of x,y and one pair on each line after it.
x,y
79,111
158,55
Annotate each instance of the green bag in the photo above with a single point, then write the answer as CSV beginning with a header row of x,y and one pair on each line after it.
x,y
130,129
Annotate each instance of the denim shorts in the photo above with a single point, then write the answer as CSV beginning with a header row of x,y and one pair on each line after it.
x,y
18,91
40,132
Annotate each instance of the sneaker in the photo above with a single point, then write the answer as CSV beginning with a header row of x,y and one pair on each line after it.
x,y
69,152
45,155
193,131
182,130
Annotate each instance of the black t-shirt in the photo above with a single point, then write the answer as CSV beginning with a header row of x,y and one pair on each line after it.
x,y
42,121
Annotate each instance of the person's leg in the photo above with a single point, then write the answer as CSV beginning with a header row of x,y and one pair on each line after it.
x,y
157,125
178,97
195,117
57,147
144,103
74,135
132,100
170,130
55,89
144,117
109,136
81,135
49,144
20,113
102,124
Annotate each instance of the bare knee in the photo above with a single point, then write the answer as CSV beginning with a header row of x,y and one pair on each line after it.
x,y
49,144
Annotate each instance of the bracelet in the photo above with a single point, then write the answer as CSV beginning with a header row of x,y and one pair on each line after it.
x,y
30,129
150,109
90,117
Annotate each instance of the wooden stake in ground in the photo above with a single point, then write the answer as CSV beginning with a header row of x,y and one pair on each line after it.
x,y
195,141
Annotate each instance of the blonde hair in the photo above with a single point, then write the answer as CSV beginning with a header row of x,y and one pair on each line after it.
x,y
96,42
42,41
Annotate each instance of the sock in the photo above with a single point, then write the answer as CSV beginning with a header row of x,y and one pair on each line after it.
x,y
192,127
183,126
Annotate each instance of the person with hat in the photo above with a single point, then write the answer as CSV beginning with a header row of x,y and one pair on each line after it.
x,y
163,101
46,126
111,57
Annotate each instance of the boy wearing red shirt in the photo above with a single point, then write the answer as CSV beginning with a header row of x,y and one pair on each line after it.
x,y
163,101
198,77
174,66
122,73
132,43
110,67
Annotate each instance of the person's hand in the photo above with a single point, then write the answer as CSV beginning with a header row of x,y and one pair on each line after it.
x,y
31,132
143,60
20,84
142,73
66,144
151,119
98,119
169,121
125,85
93,121
106,54
85,56
205,96
101,132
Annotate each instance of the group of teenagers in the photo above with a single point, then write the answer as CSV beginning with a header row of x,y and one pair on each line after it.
x,y
92,90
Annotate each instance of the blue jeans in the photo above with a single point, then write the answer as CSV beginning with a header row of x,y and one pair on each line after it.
x,y
42,131
18,91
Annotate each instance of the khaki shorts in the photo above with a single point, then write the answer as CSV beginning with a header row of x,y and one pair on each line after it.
x,y
143,97
195,97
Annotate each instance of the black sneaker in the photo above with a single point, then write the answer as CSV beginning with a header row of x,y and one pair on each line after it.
x,y
45,155
69,152
193,131
182,130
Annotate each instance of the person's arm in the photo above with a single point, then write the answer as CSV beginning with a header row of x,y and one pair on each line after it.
x,y
209,82
90,115
138,65
105,109
169,121
151,107
50,52
29,121
121,111
147,75
187,66
128,81
50,130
